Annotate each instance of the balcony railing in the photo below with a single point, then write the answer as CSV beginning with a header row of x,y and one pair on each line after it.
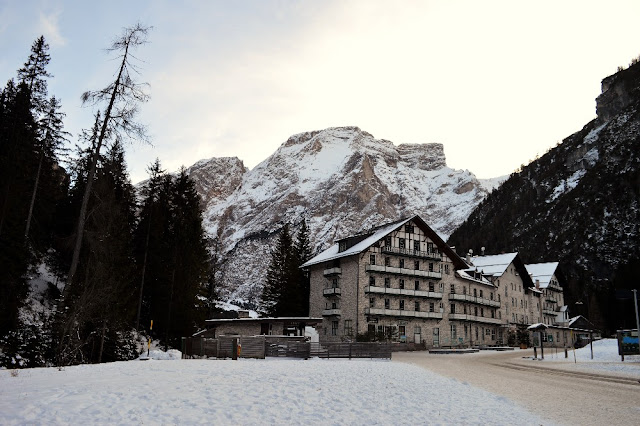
x,y
403,271
401,313
402,292
473,318
549,312
332,271
473,299
331,291
331,312
412,253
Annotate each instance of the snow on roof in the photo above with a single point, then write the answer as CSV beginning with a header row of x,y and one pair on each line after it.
x,y
333,253
542,272
494,265
467,275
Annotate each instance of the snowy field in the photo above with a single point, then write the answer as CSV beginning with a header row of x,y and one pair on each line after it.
x,y
273,391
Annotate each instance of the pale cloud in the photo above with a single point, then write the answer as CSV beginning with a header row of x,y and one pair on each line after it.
x,y
49,27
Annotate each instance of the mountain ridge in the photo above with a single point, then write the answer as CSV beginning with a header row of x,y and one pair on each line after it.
x,y
341,180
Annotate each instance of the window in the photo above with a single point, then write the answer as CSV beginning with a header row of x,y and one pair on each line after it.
x,y
416,306
491,296
430,267
334,283
464,290
416,245
372,281
453,308
446,269
402,263
334,305
453,289
431,287
387,241
500,314
386,304
372,259
402,330
464,309
475,292
402,243
453,333
402,305
408,229
417,329
431,307
372,302
430,248
493,313
348,329
417,285
416,265
334,328
481,312
498,297
401,284
387,261
475,311
387,282
480,293
476,333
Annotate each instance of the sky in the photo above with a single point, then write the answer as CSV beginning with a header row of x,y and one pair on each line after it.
x,y
496,82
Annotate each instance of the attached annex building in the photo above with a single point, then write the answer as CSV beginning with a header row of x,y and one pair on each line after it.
x,y
402,280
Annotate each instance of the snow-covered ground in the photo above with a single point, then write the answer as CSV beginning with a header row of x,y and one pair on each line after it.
x,y
605,359
272,391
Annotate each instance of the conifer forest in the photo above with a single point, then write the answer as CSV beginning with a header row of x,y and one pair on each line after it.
x,y
121,256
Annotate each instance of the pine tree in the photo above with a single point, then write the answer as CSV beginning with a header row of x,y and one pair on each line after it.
x,y
279,296
302,252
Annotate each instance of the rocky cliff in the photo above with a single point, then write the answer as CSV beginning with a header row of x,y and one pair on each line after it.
x,y
342,181
579,204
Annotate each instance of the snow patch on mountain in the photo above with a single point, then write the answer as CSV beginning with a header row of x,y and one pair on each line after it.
x,y
341,181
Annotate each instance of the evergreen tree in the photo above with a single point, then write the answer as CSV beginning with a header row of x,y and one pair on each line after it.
x,y
100,310
302,252
171,250
279,295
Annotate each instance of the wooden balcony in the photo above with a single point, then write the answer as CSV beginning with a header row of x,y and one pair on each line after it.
x,y
403,271
332,271
413,253
402,313
473,299
331,291
402,292
473,318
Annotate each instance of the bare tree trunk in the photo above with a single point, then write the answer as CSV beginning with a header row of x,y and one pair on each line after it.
x,y
33,198
144,269
104,328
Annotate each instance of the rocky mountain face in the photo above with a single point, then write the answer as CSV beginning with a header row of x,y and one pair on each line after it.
x,y
342,181
577,204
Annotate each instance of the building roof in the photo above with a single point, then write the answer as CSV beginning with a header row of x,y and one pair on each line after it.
x,y
308,320
379,233
494,265
468,274
542,272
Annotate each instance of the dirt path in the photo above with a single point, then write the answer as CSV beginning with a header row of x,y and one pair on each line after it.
x,y
566,397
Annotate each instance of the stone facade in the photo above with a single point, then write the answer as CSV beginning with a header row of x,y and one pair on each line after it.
x,y
404,283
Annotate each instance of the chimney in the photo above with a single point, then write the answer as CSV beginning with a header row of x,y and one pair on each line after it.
x,y
482,251
537,284
469,255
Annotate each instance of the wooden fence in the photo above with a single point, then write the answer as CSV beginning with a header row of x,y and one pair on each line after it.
x,y
272,346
